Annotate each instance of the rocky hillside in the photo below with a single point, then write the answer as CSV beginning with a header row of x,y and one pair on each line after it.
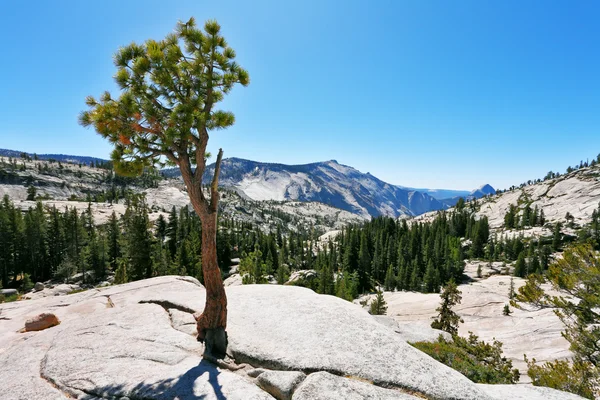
x,y
58,157
569,199
327,182
137,340
71,185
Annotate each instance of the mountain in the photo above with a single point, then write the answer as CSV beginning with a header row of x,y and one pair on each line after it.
x,y
57,157
441,194
71,185
483,191
327,182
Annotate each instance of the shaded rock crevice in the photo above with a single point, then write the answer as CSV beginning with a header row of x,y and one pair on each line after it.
x,y
167,304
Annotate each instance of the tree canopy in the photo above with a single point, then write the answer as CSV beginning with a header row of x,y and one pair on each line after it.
x,y
169,90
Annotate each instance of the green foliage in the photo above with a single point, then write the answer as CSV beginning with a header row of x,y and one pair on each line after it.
x,y
346,286
575,377
168,92
8,299
447,320
378,305
26,283
506,310
556,237
121,272
252,268
479,361
576,275
521,266
511,288
390,279
31,193
282,274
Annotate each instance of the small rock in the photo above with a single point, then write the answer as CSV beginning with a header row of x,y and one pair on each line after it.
x,y
8,292
280,384
39,286
41,322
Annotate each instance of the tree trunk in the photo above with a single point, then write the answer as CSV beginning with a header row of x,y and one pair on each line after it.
x,y
211,323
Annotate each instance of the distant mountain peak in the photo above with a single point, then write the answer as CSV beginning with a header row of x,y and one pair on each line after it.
x,y
484,190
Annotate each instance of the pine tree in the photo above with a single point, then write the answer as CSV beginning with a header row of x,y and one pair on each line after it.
x,y
520,266
31,193
506,310
390,279
447,319
430,283
121,272
378,305
556,238
282,274
113,241
511,288
364,264
138,239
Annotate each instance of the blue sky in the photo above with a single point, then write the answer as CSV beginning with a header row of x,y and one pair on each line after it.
x,y
444,94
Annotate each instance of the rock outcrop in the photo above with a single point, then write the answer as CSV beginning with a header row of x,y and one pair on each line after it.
x,y
280,384
134,340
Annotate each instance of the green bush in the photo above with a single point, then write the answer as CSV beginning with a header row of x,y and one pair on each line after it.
x,y
577,377
8,299
479,361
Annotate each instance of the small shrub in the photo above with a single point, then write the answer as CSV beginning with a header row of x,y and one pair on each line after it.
x,y
479,361
378,305
578,377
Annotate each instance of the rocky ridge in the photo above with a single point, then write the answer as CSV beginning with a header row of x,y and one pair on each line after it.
x,y
136,340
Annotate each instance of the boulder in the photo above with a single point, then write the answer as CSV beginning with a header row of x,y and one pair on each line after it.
x,y
41,322
299,277
233,280
293,328
326,386
38,286
58,290
280,384
8,292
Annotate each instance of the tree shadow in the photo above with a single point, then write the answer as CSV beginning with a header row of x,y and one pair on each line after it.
x,y
181,388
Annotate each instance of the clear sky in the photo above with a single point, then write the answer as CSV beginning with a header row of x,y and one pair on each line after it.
x,y
439,94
